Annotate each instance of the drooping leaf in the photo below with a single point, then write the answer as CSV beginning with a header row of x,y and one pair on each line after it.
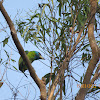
x,y
47,76
6,53
85,47
13,60
43,9
0,60
25,31
15,68
5,41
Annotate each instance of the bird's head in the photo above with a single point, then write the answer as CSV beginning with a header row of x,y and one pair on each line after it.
x,y
38,56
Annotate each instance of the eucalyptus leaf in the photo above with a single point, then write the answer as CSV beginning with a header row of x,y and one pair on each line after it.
x,y
5,41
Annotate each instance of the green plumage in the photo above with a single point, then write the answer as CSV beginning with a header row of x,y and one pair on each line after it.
x,y
32,55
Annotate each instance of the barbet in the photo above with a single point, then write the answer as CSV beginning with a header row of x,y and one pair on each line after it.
x,y
32,55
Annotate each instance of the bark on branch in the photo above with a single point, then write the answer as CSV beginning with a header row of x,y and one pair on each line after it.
x,y
33,74
95,52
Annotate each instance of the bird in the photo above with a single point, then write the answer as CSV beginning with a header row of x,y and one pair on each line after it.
x,y
32,55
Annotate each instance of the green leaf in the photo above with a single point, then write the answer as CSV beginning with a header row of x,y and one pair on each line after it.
x,y
15,68
52,2
5,41
85,47
6,53
81,79
47,76
38,29
13,60
43,9
59,9
25,31
0,60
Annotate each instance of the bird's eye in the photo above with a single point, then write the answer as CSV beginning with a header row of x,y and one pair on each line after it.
x,y
39,54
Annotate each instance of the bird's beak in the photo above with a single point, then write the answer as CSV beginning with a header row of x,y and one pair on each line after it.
x,y
41,57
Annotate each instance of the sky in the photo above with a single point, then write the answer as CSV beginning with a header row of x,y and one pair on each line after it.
x,y
13,79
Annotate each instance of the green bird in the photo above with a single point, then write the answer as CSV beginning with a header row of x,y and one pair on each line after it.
x,y
32,55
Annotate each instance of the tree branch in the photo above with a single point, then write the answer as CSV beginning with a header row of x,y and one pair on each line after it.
x,y
33,74
96,75
95,52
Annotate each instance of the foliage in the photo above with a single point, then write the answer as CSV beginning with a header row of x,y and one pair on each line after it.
x,y
54,28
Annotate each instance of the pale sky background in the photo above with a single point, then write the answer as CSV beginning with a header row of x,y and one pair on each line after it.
x,y
15,79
